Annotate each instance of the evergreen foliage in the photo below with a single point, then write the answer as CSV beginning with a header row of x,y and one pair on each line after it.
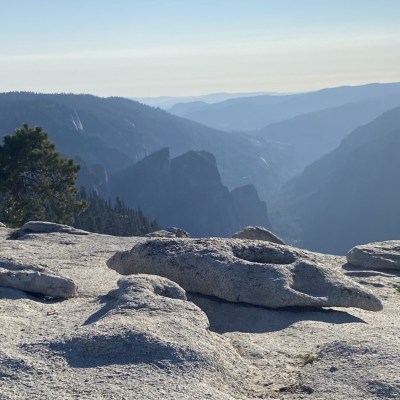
x,y
36,182
116,219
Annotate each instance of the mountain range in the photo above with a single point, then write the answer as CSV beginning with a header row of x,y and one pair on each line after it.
x,y
333,162
350,196
113,139
312,135
116,132
166,102
252,113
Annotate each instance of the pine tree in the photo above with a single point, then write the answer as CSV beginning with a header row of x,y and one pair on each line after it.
x,y
36,182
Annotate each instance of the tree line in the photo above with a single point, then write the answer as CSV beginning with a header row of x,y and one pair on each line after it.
x,y
115,219
37,183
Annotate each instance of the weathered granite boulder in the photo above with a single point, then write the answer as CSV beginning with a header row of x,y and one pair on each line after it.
x,y
169,233
46,227
258,233
38,283
146,287
259,273
379,255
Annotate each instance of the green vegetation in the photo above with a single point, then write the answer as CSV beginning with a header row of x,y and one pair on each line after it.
x,y
308,358
113,219
36,182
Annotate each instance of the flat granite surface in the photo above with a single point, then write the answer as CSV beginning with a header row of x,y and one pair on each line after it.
x,y
95,347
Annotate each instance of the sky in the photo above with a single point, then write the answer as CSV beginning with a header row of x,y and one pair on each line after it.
x,y
137,48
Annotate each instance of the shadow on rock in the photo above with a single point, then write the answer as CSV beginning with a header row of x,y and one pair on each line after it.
x,y
238,317
141,322
108,304
8,293
123,347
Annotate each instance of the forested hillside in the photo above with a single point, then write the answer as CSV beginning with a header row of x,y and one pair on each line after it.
x,y
116,132
112,217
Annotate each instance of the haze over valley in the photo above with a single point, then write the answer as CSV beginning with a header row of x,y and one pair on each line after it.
x,y
200,200
115,138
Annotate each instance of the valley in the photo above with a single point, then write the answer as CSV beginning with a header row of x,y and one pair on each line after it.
x,y
293,176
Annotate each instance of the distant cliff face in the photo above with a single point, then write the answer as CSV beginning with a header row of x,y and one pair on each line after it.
x,y
187,192
199,196
144,185
352,195
244,196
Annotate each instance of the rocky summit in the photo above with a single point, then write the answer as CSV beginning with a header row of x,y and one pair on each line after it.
x,y
258,273
147,336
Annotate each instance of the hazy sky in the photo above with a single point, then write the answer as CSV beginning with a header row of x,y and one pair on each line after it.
x,y
186,47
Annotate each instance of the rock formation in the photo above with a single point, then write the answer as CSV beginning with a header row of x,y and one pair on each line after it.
x,y
38,283
250,210
45,227
169,232
200,197
144,300
379,255
34,278
257,233
187,191
259,273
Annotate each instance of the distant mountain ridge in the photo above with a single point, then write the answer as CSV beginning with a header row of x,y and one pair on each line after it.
x,y
116,132
166,102
315,134
351,195
110,137
252,113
